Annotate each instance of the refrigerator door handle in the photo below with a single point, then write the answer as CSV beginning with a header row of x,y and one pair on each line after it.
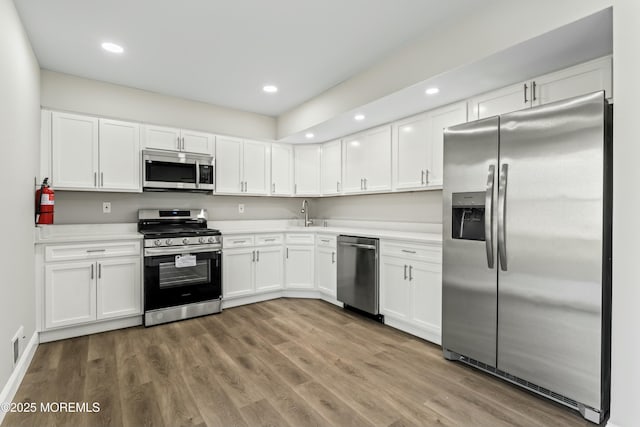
x,y
502,212
488,215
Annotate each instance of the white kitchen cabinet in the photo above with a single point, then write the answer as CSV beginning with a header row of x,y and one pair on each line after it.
x,y
331,168
411,152
326,270
242,167
69,293
299,267
307,170
269,273
367,161
505,100
167,138
238,272
440,119
281,170
426,294
395,295
74,152
94,154
119,148
118,287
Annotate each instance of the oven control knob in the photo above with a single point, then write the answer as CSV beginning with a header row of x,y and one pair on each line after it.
x,y
157,242
168,241
202,240
212,239
185,241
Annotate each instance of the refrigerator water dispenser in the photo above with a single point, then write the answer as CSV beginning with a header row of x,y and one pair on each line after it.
x,y
467,222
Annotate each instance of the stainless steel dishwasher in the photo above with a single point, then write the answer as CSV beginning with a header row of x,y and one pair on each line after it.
x,y
358,273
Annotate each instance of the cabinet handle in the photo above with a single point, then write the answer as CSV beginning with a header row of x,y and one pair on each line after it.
x,y
101,179
287,253
333,257
95,179
422,177
337,186
295,188
253,256
324,240
525,93
239,241
179,144
96,250
257,256
92,271
99,271
410,273
245,186
365,183
274,187
405,272
269,240
183,142
361,183
533,91
426,176
408,251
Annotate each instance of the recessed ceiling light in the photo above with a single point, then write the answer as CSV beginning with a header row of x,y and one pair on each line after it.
x,y
270,89
112,47
432,91
309,135
359,117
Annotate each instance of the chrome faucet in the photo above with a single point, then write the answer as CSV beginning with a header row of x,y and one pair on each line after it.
x,y
305,211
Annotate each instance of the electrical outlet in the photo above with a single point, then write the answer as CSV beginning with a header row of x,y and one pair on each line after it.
x,y
241,208
106,207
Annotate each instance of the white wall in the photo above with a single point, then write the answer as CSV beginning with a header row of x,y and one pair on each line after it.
x,y
78,207
625,393
71,93
19,127
419,206
498,25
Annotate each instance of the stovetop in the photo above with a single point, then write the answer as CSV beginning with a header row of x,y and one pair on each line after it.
x,y
160,232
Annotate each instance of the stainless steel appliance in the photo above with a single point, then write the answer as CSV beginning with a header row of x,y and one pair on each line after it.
x,y
182,265
358,273
176,171
527,249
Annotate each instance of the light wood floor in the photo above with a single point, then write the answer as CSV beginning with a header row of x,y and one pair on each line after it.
x,y
286,362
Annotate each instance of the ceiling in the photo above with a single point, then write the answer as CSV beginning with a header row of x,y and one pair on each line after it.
x,y
223,52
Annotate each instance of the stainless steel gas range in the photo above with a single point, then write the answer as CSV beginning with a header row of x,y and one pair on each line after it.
x,y
182,265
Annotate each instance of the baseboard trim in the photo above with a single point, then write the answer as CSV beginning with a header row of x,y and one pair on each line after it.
x,y
433,335
610,424
92,328
11,387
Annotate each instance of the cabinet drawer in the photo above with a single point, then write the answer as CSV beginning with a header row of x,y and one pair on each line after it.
x,y
326,240
89,251
240,241
300,238
269,239
413,251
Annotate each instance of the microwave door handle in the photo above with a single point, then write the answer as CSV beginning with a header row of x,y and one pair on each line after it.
x,y
197,174
488,215
213,173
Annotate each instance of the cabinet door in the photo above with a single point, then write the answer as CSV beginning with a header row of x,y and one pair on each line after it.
x,y
331,168
582,79
326,271
440,119
119,155
228,165
161,138
69,293
354,158
119,288
269,268
426,295
281,170
74,151
511,98
256,167
395,288
299,264
238,272
377,166
198,142
411,152
307,170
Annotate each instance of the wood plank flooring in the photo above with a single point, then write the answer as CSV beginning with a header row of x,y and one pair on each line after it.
x,y
286,362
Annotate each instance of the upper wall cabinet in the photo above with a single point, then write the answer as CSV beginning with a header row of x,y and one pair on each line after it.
x,y
281,170
366,161
439,120
578,80
165,138
331,168
242,167
94,154
307,170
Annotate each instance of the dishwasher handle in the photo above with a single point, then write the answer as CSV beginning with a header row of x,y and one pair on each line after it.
x,y
359,245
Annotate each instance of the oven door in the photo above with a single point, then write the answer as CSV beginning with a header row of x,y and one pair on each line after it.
x,y
168,281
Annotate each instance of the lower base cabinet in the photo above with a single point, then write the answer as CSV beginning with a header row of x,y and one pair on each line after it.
x,y
251,269
118,288
237,272
326,270
299,271
269,269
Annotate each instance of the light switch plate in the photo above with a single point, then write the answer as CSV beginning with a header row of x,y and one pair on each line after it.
x,y
241,208
106,207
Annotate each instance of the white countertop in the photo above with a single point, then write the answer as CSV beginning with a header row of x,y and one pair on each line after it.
x,y
45,234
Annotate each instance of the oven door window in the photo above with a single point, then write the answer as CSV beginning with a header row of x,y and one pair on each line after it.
x,y
170,172
171,276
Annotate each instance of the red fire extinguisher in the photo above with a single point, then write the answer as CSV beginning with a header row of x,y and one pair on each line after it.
x,y
44,203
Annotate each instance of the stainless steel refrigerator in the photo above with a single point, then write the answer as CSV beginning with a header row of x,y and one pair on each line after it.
x,y
527,249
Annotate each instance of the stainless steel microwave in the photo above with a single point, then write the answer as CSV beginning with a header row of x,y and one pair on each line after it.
x,y
175,171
